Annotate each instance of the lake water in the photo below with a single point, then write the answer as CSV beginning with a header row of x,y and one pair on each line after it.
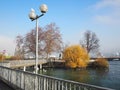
x,y
105,78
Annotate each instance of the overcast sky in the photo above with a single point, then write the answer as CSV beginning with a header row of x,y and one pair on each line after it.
x,y
73,17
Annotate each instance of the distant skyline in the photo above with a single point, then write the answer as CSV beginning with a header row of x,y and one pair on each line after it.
x,y
72,17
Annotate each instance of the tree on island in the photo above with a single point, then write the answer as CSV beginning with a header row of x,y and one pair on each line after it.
x,y
75,57
49,41
90,41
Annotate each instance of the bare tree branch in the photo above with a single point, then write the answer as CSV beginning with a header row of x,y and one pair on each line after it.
x,y
90,41
49,40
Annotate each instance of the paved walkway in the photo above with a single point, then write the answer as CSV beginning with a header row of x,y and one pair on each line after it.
x,y
4,86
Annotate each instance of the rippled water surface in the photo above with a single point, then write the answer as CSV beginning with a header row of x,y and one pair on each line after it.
x,y
106,78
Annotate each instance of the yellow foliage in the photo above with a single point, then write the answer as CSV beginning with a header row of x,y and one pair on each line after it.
x,y
15,58
71,64
81,64
2,57
101,62
75,56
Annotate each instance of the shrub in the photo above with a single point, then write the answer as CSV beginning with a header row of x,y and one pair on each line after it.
x,y
101,63
75,56
14,58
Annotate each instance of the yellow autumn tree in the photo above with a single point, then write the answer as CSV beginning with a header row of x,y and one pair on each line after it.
x,y
75,56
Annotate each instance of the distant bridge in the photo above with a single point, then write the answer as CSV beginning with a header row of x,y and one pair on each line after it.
x,y
109,58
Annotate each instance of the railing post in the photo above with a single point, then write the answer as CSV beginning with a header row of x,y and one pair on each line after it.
x,y
24,68
40,66
70,87
55,85
62,86
66,88
58,85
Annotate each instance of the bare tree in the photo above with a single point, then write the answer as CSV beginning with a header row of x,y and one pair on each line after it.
x,y
19,50
49,40
53,40
90,41
30,41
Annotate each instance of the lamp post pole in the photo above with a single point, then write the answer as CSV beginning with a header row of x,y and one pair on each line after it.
x,y
33,17
36,61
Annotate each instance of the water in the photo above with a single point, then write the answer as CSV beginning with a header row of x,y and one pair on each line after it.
x,y
105,78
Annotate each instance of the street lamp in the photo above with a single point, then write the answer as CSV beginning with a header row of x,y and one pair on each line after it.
x,y
33,16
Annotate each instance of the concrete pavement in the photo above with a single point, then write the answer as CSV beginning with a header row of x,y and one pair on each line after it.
x,y
4,86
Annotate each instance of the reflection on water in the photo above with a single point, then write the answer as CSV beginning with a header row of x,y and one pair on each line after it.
x,y
84,76
100,77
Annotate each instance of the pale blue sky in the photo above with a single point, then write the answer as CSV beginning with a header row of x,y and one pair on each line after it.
x,y
73,18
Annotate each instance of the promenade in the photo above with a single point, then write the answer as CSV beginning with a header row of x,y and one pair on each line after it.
x,y
4,86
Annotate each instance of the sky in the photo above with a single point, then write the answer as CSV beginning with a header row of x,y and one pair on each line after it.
x,y
72,17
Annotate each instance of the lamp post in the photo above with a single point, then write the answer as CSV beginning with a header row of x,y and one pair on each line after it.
x,y
33,16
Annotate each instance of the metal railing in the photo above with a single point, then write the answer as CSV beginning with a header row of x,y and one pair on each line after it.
x,y
29,81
